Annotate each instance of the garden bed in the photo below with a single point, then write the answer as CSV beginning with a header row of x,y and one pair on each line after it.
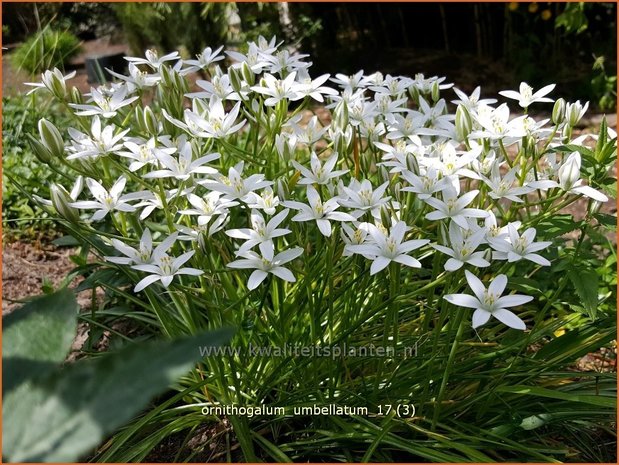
x,y
406,225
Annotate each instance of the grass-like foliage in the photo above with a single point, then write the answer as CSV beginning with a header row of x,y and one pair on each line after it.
x,y
46,49
391,254
21,216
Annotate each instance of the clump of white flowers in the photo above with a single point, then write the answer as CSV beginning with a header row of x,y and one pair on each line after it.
x,y
399,172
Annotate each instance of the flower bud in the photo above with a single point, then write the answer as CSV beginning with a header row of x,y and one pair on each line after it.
x,y
235,78
51,138
285,146
347,139
444,235
180,82
569,172
412,164
464,124
202,240
575,111
282,190
138,114
150,121
339,142
378,78
384,174
39,150
248,74
397,191
76,96
594,207
414,93
272,119
200,106
558,112
173,104
55,83
167,127
340,115
61,200
436,92
166,75
385,218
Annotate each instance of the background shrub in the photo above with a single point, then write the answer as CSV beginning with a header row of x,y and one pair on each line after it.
x,y
46,49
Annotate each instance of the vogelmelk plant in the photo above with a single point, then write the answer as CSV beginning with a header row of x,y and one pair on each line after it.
x,y
363,211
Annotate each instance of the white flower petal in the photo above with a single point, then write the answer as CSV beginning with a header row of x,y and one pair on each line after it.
x,y
379,264
509,318
480,317
255,279
146,282
475,284
190,271
408,261
535,258
325,227
498,284
463,300
453,264
513,300
590,192
283,273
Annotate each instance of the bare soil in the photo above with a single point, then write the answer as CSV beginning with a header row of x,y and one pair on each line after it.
x,y
25,267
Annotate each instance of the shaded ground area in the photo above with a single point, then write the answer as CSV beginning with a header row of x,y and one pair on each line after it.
x,y
25,267
13,79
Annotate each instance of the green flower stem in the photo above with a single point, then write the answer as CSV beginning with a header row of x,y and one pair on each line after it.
x,y
552,136
459,323
551,300
552,211
394,307
164,203
135,178
119,227
509,162
183,312
436,334
436,263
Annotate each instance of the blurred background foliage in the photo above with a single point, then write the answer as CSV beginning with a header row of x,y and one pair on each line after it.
x,y
46,49
535,42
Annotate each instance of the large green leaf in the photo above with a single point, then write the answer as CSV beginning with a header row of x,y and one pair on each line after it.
x,y
62,417
610,221
557,226
37,337
586,285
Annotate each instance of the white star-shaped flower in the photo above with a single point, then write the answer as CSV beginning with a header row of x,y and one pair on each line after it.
x,y
488,302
